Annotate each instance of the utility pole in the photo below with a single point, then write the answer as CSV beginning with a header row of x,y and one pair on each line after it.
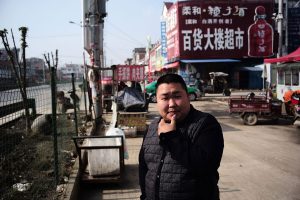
x,y
94,12
95,56
279,19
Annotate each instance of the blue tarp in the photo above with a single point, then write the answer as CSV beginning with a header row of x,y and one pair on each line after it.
x,y
251,69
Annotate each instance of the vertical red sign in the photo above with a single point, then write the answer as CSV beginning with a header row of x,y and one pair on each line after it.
x,y
172,33
260,35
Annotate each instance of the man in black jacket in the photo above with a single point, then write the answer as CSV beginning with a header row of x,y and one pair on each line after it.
x,y
182,150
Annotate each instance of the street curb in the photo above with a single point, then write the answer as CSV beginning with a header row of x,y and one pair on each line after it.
x,y
71,192
220,102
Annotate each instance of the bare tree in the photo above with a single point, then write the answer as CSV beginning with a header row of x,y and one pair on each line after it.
x,y
54,66
19,68
54,60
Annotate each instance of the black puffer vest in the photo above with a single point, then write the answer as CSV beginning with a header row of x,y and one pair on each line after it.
x,y
166,178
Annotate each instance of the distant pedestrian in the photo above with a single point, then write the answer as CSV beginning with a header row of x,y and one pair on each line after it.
x,y
199,84
288,95
75,99
182,150
63,103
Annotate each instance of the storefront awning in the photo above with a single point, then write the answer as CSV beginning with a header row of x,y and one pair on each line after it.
x,y
209,60
171,65
292,57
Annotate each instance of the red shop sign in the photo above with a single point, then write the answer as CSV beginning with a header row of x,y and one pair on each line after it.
x,y
130,72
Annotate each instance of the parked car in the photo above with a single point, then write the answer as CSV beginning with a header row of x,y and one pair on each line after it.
x,y
194,93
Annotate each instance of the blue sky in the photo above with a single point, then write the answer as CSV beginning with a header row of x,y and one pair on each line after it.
x,y
127,26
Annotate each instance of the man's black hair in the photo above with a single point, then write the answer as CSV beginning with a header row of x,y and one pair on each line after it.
x,y
171,78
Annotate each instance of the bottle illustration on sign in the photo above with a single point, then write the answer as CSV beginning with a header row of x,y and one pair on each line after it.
x,y
260,35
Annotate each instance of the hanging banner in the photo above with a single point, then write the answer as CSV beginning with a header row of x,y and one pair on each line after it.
x,y
131,72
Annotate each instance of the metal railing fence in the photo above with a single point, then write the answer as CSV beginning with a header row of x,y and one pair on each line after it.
x,y
28,170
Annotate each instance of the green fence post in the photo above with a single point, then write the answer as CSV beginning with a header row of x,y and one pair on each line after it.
x,y
54,123
84,96
74,102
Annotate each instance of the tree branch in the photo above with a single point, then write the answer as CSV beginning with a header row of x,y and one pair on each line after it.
x,y
16,51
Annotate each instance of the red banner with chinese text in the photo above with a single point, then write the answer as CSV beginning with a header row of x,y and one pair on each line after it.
x,y
130,72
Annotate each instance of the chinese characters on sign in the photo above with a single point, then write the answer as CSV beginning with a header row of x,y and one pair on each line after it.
x,y
216,29
216,39
213,38
163,39
172,19
172,34
215,11
130,72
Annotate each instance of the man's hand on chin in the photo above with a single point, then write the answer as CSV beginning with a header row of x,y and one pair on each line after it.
x,y
164,127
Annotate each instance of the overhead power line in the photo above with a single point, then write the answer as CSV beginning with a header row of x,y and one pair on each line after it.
x,y
55,36
126,34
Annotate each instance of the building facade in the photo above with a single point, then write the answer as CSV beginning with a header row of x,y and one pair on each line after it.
x,y
65,72
138,56
216,36
35,71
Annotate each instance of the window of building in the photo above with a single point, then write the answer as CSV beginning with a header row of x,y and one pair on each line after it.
x,y
280,77
287,78
295,77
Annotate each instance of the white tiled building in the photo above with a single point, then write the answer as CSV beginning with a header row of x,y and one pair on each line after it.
x,y
67,70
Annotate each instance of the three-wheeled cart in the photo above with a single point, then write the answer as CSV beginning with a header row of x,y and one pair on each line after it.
x,y
250,108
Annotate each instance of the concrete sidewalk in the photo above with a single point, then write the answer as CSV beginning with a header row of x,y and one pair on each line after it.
x,y
129,187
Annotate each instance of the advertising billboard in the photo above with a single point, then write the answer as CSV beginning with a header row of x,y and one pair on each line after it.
x,y
220,29
163,38
172,34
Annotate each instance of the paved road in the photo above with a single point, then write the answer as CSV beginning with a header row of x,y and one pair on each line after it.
x,y
41,94
260,162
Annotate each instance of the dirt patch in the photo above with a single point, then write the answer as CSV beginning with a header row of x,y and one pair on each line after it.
x,y
29,161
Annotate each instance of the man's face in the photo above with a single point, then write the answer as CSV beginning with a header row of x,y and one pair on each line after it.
x,y
172,99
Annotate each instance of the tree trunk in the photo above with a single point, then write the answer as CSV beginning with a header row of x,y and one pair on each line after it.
x,y
20,77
